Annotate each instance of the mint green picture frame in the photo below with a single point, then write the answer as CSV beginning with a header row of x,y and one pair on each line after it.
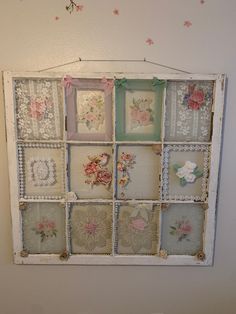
x,y
123,85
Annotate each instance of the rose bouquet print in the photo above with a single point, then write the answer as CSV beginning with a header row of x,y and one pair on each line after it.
x,y
113,169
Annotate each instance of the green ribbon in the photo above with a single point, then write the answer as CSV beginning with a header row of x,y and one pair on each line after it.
x,y
121,83
156,82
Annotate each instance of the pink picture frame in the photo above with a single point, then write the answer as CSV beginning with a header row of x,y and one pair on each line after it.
x,y
103,87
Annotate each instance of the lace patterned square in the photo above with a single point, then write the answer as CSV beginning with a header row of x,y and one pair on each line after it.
x,y
137,229
139,109
90,171
91,229
185,172
41,170
39,109
182,229
138,172
188,111
89,109
43,227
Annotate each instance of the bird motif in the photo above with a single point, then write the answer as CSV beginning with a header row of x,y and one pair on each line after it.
x,y
101,160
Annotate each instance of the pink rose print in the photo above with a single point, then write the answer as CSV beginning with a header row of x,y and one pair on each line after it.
x,y
97,172
37,107
138,224
46,229
124,164
144,117
195,98
104,177
90,228
181,229
141,113
90,168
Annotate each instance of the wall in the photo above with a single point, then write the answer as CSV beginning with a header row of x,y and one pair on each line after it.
x,y
32,39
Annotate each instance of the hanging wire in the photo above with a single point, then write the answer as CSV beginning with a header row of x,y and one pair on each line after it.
x,y
115,60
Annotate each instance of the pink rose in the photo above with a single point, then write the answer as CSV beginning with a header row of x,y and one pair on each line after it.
x,y
134,114
196,99
104,177
138,224
40,226
144,117
90,168
90,228
185,228
37,108
120,166
126,157
90,117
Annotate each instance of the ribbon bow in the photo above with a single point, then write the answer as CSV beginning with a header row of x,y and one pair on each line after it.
x,y
108,85
121,83
67,82
156,82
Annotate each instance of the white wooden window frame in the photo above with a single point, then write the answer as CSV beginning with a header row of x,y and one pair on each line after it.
x,y
210,218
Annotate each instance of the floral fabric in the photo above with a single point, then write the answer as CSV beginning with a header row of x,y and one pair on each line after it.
x,y
137,229
44,228
188,111
91,229
182,229
39,109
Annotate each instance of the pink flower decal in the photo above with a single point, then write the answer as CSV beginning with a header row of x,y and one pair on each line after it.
x,y
125,163
56,18
188,24
116,12
202,1
97,172
46,229
181,229
138,224
79,7
104,177
149,41
195,98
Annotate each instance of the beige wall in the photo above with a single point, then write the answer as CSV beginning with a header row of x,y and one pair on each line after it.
x,y
31,40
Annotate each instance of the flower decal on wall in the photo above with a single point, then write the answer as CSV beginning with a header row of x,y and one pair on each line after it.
x,y
97,172
74,6
149,42
45,229
92,112
181,229
141,112
42,171
124,165
189,173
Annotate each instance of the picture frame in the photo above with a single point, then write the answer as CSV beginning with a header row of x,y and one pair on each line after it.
x,y
82,123
139,109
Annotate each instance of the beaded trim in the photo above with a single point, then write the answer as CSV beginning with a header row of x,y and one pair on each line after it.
x,y
46,176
